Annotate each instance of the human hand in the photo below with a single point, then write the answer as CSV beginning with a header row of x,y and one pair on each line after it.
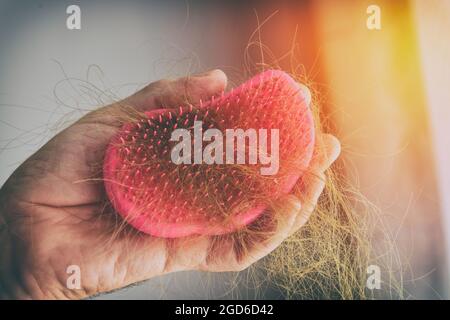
x,y
53,213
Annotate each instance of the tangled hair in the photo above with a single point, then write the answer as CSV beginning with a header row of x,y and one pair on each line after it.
x,y
329,257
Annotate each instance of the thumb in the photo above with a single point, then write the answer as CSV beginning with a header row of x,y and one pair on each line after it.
x,y
162,94
181,91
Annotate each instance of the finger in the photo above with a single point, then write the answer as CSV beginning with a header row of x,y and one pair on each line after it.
x,y
286,210
237,251
309,199
306,93
182,91
325,153
186,253
313,182
162,94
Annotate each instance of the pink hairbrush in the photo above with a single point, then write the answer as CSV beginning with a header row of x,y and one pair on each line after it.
x,y
167,199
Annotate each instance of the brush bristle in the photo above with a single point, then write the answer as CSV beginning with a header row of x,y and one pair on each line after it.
x,y
164,199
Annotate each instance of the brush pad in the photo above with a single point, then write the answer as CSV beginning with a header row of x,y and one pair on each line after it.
x,y
165,199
